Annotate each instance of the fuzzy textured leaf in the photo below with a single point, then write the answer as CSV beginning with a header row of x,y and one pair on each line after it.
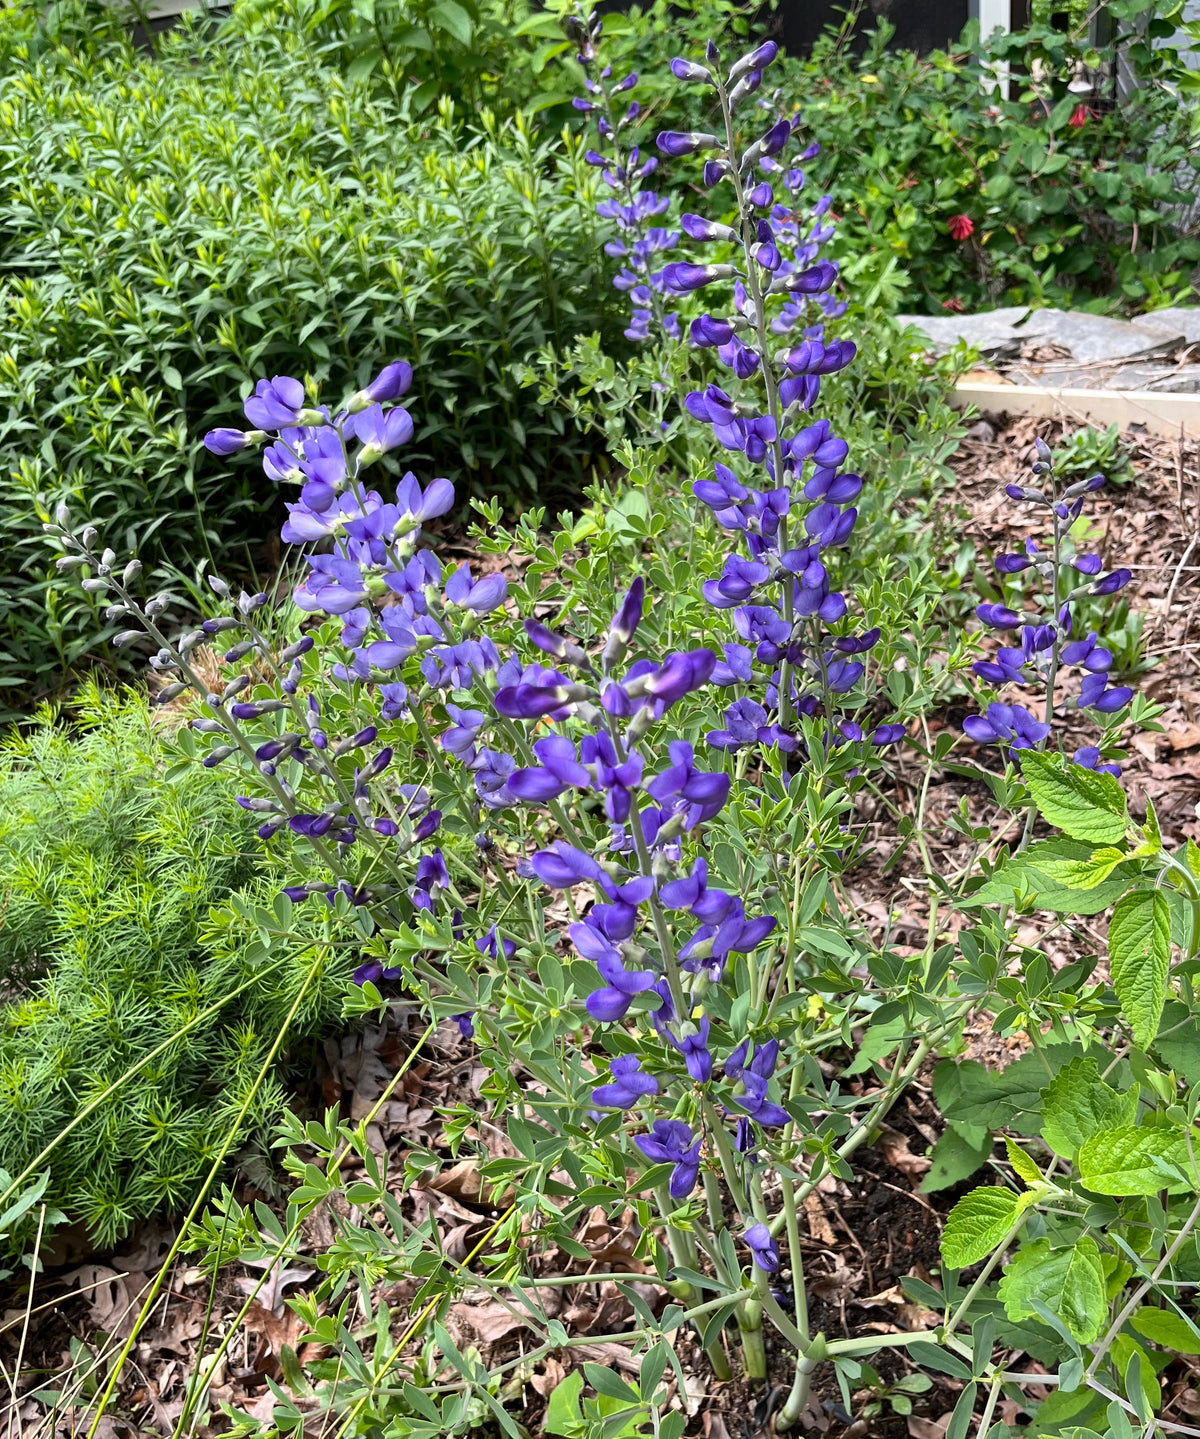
x,y
1122,1161
1077,1104
977,1224
1080,802
1139,957
1069,1282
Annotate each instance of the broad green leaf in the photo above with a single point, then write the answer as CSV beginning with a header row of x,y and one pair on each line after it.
x,y
1069,1282
1083,873
1080,802
1176,1042
1077,1104
977,1224
608,1381
451,17
1139,957
1165,1327
1129,1160
956,1157
1025,879
562,1411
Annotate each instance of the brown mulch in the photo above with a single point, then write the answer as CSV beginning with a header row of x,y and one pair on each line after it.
x,y
860,1240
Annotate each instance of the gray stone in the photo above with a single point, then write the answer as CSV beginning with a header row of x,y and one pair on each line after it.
x,y
1099,339
1186,321
1089,339
993,333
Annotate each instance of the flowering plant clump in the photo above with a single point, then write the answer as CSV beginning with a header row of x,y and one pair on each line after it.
x,y
530,806
1049,644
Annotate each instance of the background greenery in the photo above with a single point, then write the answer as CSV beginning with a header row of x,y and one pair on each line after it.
x,y
110,945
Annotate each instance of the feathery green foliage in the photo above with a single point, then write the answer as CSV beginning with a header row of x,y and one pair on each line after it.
x,y
109,946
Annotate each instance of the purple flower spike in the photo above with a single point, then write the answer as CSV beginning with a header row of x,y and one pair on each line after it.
x,y
1006,723
670,1142
694,1048
689,71
1110,584
389,384
998,617
275,403
227,442
628,1085
763,1249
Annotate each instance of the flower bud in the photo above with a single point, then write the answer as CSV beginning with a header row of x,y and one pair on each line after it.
x,y
1043,450
234,687
115,611
96,587
689,71
300,647
131,571
89,537
62,514
165,696
215,756
126,637
65,563
218,586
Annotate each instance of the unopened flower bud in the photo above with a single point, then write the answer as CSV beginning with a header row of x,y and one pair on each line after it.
x,y
215,756
66,563
89,536
131,571
1043,450
218,586
126,637
62,514
165,696
234,687
95,587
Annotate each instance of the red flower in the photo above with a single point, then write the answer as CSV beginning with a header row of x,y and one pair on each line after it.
x,y
1079,116
960,226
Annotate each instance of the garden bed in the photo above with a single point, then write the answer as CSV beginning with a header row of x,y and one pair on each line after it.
x,y
860,1239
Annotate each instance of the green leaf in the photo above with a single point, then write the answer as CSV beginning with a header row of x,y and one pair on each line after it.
x,y
454,19
1171,1330
1139,957
1026,880
1080,802
1085,873
977,1224
1130,1160
608,1382
1069,1282
1077,1104
562,1411
955,1158
1025,1168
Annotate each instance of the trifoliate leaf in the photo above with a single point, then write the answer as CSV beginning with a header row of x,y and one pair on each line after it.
x,y
977,1224
1081,802
1139,957
1138,1160
1069,1282
1077,1104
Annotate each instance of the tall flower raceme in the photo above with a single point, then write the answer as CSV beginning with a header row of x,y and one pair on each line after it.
x,y
786,492
1041,623
392,602
665,941
636,211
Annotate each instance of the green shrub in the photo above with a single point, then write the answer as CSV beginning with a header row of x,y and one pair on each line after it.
x,y
108,874
1070,204
170,229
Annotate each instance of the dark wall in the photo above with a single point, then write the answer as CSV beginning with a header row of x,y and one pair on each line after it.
x,y
921,25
